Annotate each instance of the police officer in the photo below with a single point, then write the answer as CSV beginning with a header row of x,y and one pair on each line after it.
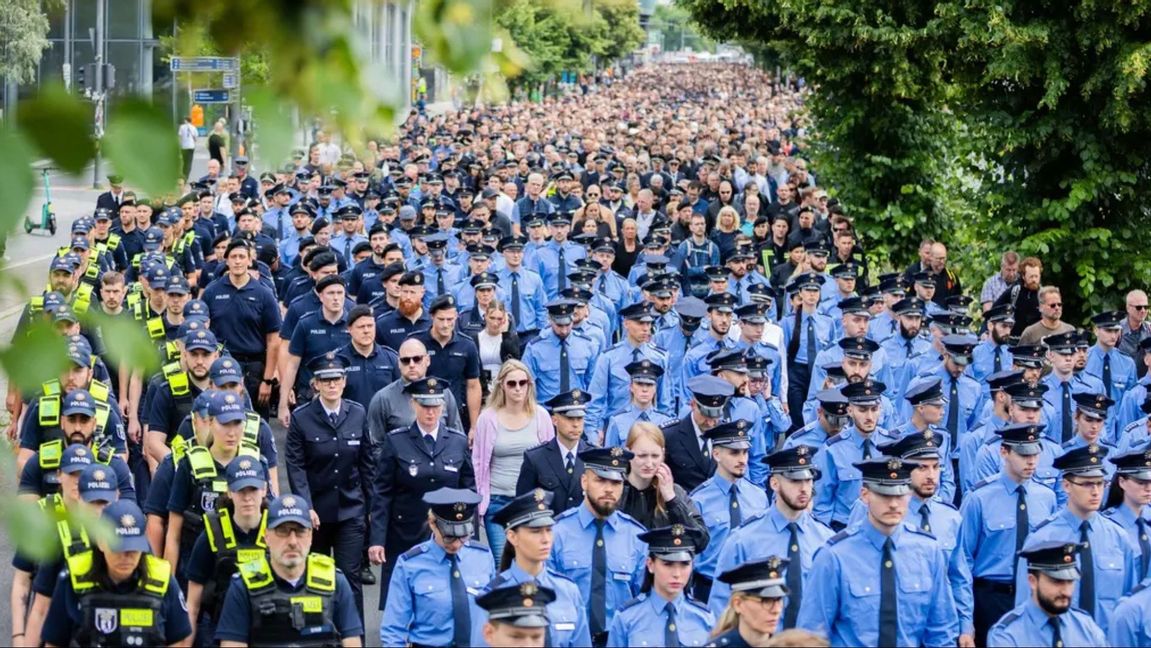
x,y
805,333
560,358
175,388
1113,368
611,375
435,582
453,357
409,317
837,492
906,345
1063,383
1026,407
752,616
118,594
233,535
246,319
785,529
720,307
525,289
1046,616
316,334
517,615
925,398
993,355
90,489
598,546
1108,559
528,523
555,466
200,478
884,564
1128,499
1090,419
686,447
830,419
645,376
330,465
292,596
677,341
990,534
411,461
77,423
371,367
725,499
663,614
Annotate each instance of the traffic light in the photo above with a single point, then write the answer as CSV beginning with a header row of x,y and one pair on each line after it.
x,y
81,78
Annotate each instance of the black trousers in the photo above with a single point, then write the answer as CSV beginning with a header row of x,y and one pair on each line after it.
x,y
253,369
993,599
798,380
344,541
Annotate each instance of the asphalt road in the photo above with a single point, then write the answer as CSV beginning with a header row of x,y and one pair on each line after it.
x,y
25,271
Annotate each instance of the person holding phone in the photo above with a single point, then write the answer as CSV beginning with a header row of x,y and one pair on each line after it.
x,y
650,495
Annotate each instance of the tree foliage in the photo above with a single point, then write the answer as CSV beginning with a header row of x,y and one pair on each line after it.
x,y
564,35
23,38
997,125
677,30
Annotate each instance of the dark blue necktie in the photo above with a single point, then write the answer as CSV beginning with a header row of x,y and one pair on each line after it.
x,y
671,631
924,518
603,283
733,509
597,614
440,287
1144,546
888,606
1065,387
811,346
461,633
1056,634
794,577
348,249
565,367
563,268
516,299
430,442
998,359
1107,373
1087,571
953,413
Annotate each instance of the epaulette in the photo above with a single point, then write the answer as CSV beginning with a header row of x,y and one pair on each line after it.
x,y
455,431
415,551
945,505
842,436
985,481
842,535
667,424
536,446
1118,526
911,528
1134,425
397,430
480,547
697,605
1043,523
753,518
581,334
640,598
1138,588
630,520
567,514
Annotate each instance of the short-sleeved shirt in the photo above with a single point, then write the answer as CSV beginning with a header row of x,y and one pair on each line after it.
x,y
457,362
242,317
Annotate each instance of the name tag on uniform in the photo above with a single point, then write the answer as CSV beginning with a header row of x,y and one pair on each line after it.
x,y
621,576
456,354
353,442
473,591
308,604
561,627
451,468
136,618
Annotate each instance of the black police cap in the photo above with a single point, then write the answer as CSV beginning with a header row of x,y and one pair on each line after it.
x,y
532,510
675,543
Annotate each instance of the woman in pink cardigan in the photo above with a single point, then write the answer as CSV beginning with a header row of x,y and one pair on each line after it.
x,y
511,423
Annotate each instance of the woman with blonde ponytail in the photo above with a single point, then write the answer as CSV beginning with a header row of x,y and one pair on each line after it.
x,y
752,615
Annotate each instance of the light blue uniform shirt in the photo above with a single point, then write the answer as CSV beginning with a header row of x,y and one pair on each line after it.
x,y
1130,409
969,448
453,276
610,382
548,264
575,534
838,487
760,537
823,335
1079,383
619,424
983,359
542,358
644,621
988,463
1131,621
1123,376
970,403
533,300
1116,560
842,591
419,605
713,500
1126,519
902,356
567,615
1027,625
695,361
946,491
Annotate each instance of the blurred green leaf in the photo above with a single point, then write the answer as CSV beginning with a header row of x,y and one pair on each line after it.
x,y
16,177
133,348
457,34
99,530
31,529
273,133
36,357
141,143
61,127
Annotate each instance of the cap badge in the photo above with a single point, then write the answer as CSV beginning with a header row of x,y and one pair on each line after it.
x,y
245,464
431,382
894,464
229,399
200,334
81,452
801,451
617,451
577,393
459,508
227,364
99,475
80,397
127,521
288,501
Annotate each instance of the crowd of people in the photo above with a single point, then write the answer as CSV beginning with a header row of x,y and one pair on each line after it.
x,y
611,369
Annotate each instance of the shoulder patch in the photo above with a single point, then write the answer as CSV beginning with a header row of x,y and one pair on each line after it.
x,y
398,430
415,551
640,598
668,424
841,536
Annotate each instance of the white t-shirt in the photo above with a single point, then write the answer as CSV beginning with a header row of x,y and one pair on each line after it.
x,y
187,136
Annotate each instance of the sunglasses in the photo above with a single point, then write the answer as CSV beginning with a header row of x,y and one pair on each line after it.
x,y
1141,307
411,359
516,384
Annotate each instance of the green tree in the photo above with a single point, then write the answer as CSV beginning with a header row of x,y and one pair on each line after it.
x,y
677,30
23,38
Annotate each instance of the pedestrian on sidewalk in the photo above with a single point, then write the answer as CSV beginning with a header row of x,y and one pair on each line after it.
x,y
187,135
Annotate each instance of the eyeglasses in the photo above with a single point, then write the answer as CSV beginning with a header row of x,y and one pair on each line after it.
x,y
517,384
409,360
1141,307
1054,305
1090,485
283,531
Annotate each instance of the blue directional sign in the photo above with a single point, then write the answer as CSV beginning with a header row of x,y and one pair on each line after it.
x,y
204,64
211,96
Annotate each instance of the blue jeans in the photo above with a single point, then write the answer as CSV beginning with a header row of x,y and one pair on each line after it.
x,y
494,530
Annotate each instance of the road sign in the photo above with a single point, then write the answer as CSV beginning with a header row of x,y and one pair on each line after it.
x,y
229,80
211,96
204,64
